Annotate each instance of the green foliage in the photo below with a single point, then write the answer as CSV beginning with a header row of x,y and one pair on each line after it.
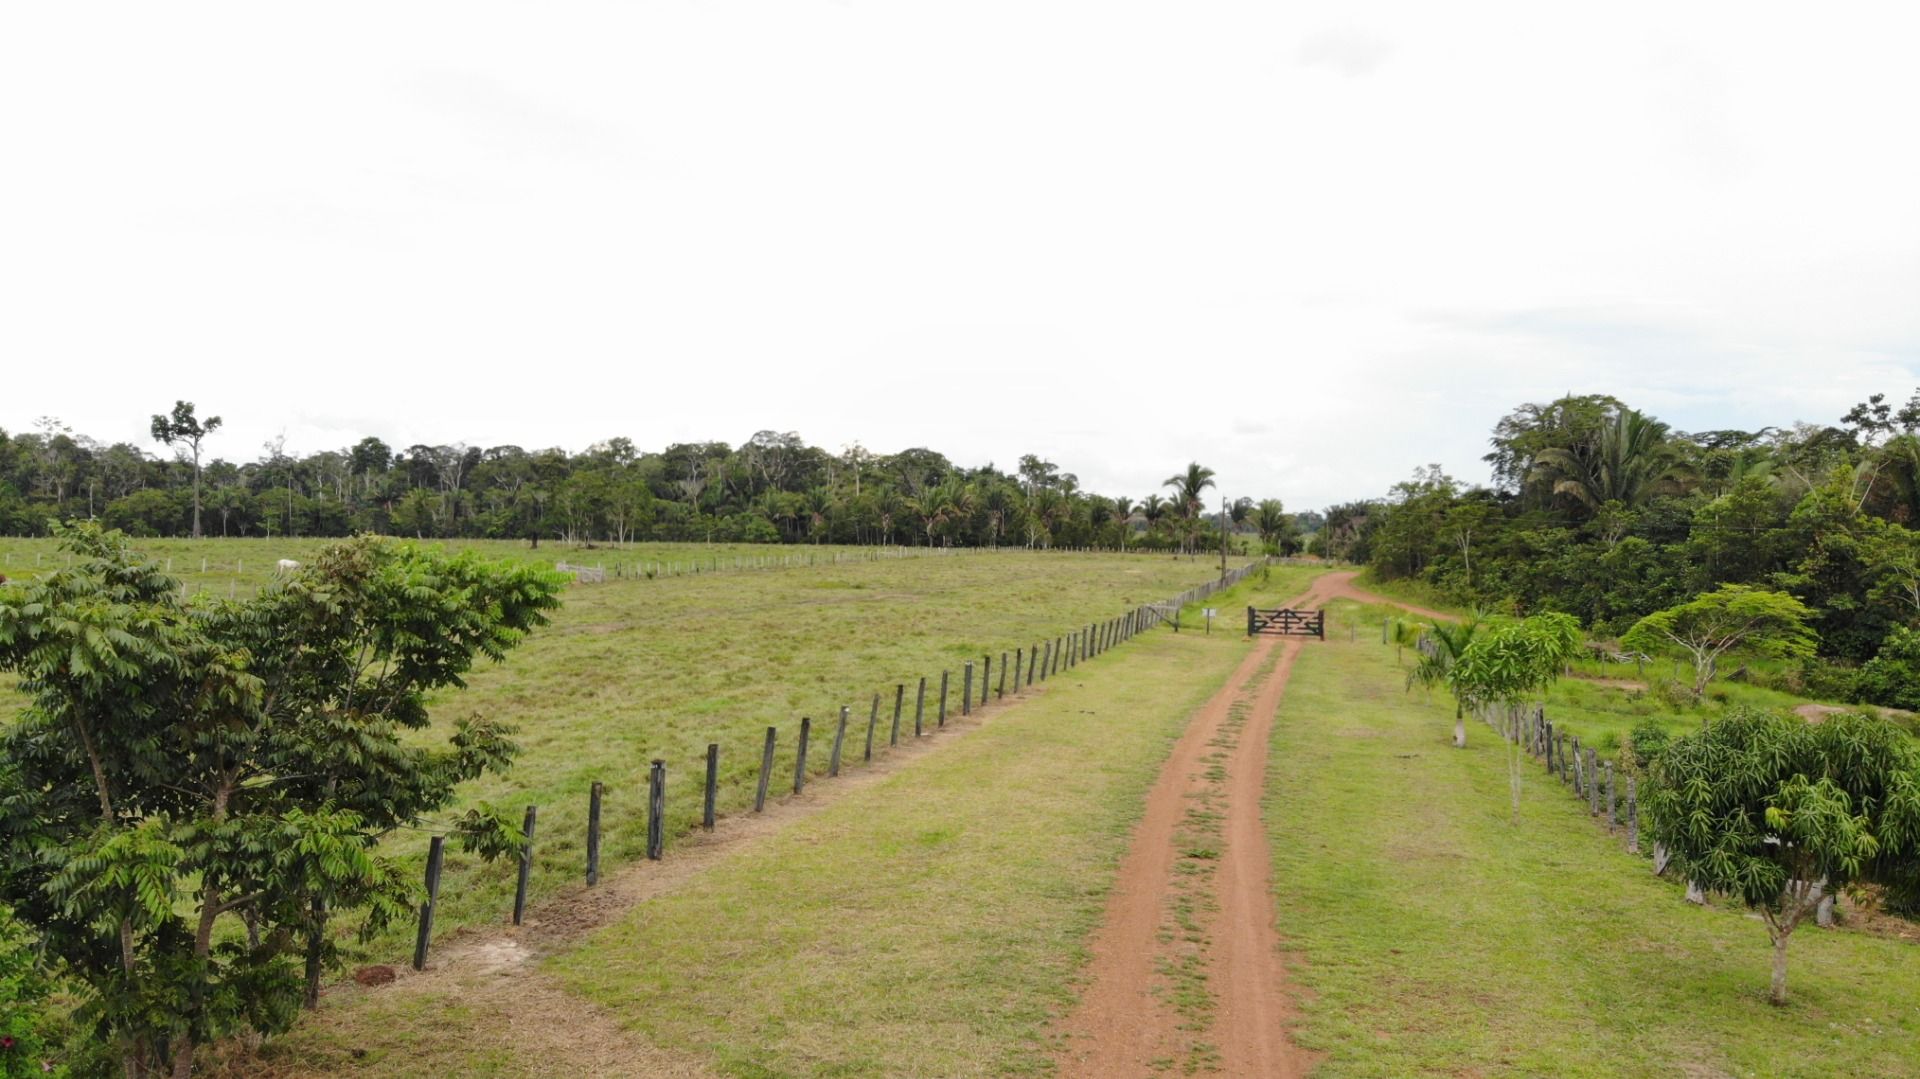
x,y
1761,805
178,767
1892,677
1513,661
1645,743
1709,626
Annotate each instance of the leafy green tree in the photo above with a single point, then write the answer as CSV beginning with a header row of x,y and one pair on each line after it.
x,y
182,427
1892,677
1775,811
1709,626
238,760
1504,665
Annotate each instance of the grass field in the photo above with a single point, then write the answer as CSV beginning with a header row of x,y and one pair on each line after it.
x,y
1436,938
637,669
242,566
927,924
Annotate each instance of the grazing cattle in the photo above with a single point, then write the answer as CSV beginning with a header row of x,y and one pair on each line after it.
x,y
287,565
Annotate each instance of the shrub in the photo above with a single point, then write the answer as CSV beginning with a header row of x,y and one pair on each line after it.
x,y
1645,742
1892,677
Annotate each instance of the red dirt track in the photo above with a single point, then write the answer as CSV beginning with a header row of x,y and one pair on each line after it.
x,y
1124,1025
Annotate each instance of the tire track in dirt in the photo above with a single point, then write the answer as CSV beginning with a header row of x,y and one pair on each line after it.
x,y
1133,1018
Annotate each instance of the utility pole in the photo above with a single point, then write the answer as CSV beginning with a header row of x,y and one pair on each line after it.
x,y
1224,517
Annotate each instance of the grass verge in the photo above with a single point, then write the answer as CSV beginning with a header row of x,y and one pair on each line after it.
x,y
1436,938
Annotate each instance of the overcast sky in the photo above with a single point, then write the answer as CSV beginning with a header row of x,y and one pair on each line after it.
x,y
1310,245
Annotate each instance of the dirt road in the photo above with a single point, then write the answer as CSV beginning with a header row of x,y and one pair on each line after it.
x,y
1187,973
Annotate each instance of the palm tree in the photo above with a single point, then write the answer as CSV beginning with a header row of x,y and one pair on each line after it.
x,y
1626,461
1445,645
1121,514
1270,520
1187,487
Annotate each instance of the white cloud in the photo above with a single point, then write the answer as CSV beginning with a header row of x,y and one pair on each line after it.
x,y
1121,237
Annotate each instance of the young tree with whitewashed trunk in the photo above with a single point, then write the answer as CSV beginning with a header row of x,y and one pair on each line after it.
x,y
1778,812
1508,664
1443,645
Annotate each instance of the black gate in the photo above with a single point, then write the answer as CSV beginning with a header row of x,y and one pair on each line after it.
x,y
1287,622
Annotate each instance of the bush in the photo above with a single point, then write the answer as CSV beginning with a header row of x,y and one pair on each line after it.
x,y
1645,742
29,1031
1892,677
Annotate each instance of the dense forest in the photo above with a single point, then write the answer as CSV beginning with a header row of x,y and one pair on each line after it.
x,y
772,488
1604,512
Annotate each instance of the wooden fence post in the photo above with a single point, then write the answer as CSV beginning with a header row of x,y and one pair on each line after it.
x,y
1000,691
1633,817
1612,817
657,810
966,690
1593,782
435,851
766,771
920,707
800,757
986,676
713,785
526,866
873,721
899,698
943,699
593,833
839,736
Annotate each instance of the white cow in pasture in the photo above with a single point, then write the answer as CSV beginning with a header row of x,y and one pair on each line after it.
x,y
285,566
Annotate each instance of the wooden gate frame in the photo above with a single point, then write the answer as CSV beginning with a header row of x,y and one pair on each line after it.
x,y
1287,622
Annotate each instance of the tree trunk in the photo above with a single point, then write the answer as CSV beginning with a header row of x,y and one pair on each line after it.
x,y
1459,728
1778,994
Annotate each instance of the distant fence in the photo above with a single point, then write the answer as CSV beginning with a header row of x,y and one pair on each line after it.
x,y
1030,663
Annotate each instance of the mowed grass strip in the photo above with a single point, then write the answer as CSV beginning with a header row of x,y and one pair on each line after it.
x,y
929,924
1437,938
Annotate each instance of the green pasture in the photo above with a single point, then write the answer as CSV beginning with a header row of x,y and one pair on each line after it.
x,y
928,924
1433,937
637,669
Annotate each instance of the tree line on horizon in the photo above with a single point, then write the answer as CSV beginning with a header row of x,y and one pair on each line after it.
x,y
1604,512
772,488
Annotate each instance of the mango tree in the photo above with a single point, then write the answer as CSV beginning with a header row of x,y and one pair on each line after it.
x,y
1776,812
1507,664
1709,626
